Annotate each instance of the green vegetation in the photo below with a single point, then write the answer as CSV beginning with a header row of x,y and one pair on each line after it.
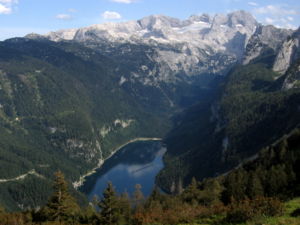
x,y
63,106
249,112
258,192
59,110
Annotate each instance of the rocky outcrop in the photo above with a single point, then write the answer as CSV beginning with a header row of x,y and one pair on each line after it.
x,y
288,53
265,38
292,77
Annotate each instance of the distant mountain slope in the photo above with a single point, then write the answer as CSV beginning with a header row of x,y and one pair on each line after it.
x,y
254,107
61,111
250,112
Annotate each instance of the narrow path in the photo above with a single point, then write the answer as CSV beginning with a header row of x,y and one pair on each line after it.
x,y
22,177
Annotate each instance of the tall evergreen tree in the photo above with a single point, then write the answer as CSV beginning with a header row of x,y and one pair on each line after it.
x,y
109,209
61,205
192,192
125,208
211,192
254,187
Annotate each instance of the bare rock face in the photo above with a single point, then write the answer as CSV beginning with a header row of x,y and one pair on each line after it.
x,y
161,49
202,44
288,53
292,78
264,39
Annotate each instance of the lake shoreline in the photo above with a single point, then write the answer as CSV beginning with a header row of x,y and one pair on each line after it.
x,y
82,179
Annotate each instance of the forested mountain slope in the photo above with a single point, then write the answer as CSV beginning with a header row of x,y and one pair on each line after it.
x,y
253,109
59,110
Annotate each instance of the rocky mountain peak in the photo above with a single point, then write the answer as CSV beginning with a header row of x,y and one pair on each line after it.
x,y
201,44
158,22
206,18
234,19
241,18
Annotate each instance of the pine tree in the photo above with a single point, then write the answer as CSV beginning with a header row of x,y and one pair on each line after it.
x,y
254,187
109,209
191,193
211,192
124,208
235,186
61,205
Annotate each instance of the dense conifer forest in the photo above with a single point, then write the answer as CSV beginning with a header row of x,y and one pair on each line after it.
x,y
263,189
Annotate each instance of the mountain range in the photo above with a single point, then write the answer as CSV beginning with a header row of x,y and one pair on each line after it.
x,y
217,88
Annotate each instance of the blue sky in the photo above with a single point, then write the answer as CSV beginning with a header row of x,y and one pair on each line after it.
x,y
20,17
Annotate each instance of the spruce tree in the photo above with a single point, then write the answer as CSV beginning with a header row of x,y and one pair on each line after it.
x,y
109,209
61,205
125,208
254,187
192,193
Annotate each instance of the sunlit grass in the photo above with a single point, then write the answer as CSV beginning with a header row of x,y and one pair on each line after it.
x,y
285,219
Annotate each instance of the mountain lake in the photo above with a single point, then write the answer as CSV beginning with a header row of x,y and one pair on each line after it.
x,y
136,163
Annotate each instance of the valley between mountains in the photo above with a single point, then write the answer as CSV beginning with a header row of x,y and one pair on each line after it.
x,y
216,89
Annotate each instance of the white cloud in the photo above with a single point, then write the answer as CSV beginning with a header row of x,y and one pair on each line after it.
x,y
280,22
8,1
269,20
63,17
252,3
109,15
289,26
278,15
6,6
124,1
275,10
4,9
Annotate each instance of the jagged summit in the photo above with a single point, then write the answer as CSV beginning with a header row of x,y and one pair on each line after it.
x,y
196,29
200,44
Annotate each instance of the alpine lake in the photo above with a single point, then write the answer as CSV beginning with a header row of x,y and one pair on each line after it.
x,y
136,163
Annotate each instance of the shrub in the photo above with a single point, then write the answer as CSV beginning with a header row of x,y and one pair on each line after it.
x,y
245,210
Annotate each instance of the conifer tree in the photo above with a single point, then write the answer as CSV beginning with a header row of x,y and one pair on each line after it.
x,y
254,187
61,205
211,192
191,193
125,208
109,209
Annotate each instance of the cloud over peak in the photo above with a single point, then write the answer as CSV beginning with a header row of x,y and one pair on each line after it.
x,y
110,15
278,15
63,17
275,10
